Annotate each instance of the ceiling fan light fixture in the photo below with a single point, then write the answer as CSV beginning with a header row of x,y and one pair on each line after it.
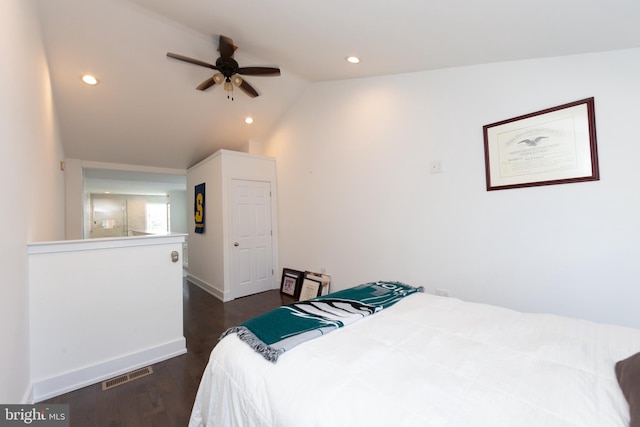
x,y
228,68
218,78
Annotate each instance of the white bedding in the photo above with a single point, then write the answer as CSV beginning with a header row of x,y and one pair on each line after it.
x,y
427,361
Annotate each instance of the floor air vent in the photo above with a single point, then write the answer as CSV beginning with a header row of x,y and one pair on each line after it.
x,y
114,382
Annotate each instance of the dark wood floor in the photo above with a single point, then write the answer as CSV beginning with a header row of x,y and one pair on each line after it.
x,y
165,397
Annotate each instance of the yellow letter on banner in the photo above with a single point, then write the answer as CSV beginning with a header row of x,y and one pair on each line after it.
x,y
199,201
198,208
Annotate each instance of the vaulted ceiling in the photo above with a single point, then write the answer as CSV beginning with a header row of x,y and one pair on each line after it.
x,y
146,111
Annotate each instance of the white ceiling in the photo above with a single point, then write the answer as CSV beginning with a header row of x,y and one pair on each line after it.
x,y
146,111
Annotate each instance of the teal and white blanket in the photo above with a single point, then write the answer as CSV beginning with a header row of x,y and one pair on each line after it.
x,y
283,328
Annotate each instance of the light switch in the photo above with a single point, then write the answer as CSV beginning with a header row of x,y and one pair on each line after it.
x,y
436,166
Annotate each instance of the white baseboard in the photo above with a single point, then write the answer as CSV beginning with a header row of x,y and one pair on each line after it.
x,y
74,380
207,287
28,396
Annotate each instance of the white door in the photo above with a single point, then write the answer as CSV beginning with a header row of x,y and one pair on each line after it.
x,y
252,239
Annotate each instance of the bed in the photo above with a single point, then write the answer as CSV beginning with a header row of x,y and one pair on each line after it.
x,y
430,361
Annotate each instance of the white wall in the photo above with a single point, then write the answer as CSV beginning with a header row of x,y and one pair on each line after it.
x,y
209,252
357,198
178,200
205,251
30,152
74,197
118,309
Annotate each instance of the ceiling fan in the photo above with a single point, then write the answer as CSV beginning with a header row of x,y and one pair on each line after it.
x,y
228,70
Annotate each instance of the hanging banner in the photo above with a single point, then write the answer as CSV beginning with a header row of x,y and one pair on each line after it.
x,y
198,208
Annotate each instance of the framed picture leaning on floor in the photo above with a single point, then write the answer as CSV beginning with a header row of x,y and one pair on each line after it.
x,y
291,282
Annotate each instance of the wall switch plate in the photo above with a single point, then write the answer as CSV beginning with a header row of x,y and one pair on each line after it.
x,y
436,166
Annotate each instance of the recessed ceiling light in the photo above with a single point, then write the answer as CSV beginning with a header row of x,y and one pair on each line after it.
x,y
248,120
353,59
89,79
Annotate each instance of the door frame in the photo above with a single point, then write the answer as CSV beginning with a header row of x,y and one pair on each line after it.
x,y
227,236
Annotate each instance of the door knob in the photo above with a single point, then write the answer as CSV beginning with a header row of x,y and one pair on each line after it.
x,y
175,256
236,244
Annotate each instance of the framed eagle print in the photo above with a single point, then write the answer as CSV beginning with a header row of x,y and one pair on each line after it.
x,y
552,146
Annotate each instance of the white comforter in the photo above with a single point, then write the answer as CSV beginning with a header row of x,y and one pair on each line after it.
x,y
427,361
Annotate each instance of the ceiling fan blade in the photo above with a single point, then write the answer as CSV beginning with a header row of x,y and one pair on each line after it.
x,y
259,71
191,60
206,84
248,89
226,47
